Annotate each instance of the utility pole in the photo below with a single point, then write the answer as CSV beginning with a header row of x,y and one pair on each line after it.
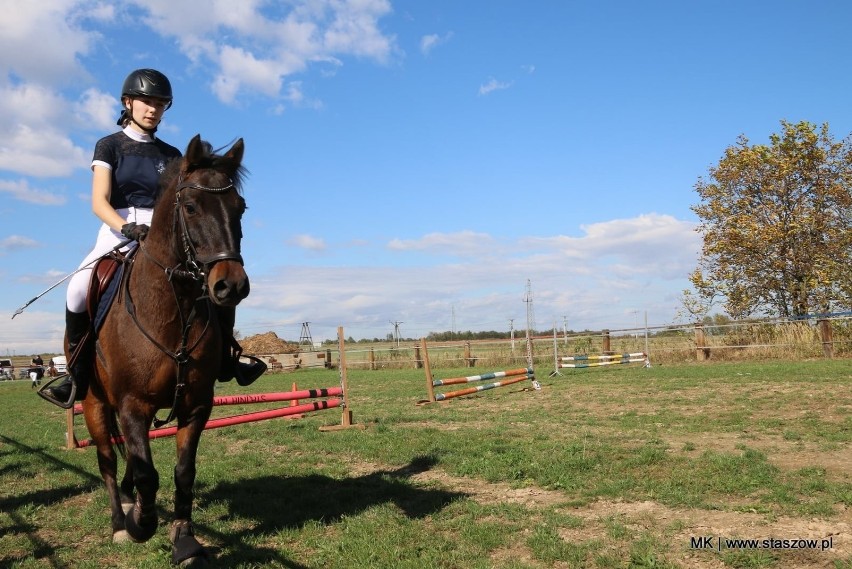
x,y
528,299
305,337
396,331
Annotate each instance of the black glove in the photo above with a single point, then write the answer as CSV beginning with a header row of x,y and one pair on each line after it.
x,y
135,232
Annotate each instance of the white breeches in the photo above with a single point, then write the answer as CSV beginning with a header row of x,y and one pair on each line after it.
x,y
78,286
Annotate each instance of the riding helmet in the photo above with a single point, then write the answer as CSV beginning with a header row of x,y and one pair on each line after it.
x,y
146,83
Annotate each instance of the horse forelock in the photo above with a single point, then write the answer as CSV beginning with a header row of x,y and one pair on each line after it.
x,y
209,161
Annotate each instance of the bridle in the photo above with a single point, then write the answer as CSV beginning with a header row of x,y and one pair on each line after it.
x,y
192,267
198,266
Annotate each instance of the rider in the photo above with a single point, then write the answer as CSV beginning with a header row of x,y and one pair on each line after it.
x,y
126,170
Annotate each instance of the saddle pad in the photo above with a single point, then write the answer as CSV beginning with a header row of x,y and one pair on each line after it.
x,y
106,279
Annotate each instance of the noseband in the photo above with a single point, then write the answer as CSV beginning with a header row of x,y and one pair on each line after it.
x,y
198,266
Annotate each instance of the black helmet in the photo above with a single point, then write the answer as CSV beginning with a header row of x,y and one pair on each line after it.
x,y
147,83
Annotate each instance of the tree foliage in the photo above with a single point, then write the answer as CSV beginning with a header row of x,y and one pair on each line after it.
x,y
775,225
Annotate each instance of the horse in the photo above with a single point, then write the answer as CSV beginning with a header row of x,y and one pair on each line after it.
x,y
160,343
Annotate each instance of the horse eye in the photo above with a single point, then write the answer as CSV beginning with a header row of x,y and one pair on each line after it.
x,y
189,208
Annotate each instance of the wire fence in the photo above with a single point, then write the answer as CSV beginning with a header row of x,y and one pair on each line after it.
x,y
733,341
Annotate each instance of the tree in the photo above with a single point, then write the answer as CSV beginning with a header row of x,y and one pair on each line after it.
x,y
775,224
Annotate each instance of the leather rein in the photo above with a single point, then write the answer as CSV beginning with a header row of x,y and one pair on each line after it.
x,y
192,267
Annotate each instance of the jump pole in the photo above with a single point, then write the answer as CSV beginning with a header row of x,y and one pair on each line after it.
x,y
346,416
509,380
294,411
507,377
605,360
238,419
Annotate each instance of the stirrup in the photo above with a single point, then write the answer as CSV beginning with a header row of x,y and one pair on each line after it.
x,y
47,397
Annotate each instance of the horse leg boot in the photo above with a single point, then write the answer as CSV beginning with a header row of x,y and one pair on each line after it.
x,y
232,367
76,383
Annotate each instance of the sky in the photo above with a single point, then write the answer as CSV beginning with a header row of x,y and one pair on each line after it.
x,y
426,163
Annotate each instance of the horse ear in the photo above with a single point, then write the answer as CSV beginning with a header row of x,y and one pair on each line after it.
x,y
195,150
236,151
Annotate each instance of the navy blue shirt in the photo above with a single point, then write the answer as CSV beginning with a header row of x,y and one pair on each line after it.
x,y
136,168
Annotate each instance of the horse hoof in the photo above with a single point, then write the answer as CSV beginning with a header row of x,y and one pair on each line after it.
x,y
121,536
139,533
186,550
194,562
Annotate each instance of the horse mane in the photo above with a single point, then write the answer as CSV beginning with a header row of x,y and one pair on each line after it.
x,y
210,160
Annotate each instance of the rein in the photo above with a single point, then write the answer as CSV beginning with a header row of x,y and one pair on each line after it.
x,y
196,270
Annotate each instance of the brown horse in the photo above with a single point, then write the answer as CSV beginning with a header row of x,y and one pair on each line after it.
x,y
160,346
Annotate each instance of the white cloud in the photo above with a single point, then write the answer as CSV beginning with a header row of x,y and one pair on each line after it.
x,y
41,41
309,242
431,41
21,191
42,153
98,109
254,50
460,243
32,118
18,243
493,85
600,278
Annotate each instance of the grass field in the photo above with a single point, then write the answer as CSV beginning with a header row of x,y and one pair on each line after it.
x,y
604,467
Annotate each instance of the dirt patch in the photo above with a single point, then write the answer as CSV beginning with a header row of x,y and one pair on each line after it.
x,y
675,529
786,455
678,527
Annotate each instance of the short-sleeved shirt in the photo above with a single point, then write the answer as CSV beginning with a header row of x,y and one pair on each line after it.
x,y
136,161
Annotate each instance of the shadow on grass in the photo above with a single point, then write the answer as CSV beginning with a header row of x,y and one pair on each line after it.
x,y
278,503
14,506
45,460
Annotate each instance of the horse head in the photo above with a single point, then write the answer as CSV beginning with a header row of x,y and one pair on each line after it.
x,y
207,226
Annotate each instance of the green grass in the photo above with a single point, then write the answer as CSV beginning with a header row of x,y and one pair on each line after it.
x,y
601,468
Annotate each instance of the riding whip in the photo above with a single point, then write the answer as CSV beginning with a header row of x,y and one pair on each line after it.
x,y
68,276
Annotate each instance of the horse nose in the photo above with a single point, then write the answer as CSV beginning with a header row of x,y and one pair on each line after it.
x,y
230,291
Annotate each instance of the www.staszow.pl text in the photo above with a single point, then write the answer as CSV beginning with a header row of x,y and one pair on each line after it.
x,y
720,543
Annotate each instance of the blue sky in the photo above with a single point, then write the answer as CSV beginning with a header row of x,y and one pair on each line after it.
x,y
415,161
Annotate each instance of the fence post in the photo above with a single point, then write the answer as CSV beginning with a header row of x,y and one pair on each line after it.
x,y
702,352
418,363
471,361
605,347
372,358
826,335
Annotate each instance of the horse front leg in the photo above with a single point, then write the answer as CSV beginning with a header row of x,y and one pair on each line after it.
x,y
141,520
186,550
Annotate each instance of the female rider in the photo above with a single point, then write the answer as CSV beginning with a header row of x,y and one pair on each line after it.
x,y
126,170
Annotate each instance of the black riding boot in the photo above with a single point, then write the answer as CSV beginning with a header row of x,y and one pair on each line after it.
x,y
232,367
77,325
